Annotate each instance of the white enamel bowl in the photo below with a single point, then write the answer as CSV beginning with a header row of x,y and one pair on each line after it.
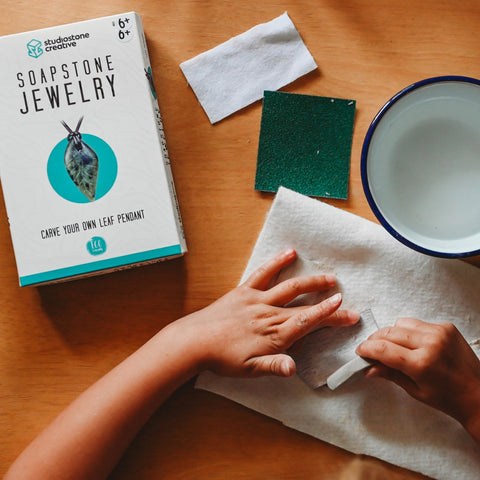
x,y
421,166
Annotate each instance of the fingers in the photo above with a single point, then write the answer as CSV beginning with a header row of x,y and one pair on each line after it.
x,y
297,327
403,336
263,275
322,314
412,348
414,324
390,354
280,365
290,289
407,334
398,347
341,318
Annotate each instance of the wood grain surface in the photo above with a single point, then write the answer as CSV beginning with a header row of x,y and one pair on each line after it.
x,y
56,340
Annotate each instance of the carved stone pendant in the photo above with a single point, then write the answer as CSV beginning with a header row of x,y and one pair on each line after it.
x,y
81,162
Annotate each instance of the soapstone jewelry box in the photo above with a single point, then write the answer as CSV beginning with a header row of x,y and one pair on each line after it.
x,y
84,166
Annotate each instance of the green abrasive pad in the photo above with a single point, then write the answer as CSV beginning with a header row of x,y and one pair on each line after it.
x,y
305,144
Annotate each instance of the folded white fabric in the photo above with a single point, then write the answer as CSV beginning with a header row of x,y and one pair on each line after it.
x,y
368,416
236,73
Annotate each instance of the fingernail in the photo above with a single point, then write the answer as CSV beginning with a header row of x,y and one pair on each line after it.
x,y
288,368
335,299
331,279
289,252
353,317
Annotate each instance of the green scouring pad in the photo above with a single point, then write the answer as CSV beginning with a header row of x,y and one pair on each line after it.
x,y
305,144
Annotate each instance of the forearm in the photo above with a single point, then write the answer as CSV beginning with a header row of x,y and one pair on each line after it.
x,y
244,333
88,437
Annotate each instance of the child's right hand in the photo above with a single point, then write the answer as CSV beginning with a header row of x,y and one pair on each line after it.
x,y
433,363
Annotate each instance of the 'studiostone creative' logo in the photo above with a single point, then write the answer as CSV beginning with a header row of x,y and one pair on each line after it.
x,y
34,48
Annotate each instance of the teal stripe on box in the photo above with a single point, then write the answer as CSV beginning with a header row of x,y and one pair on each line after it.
x,y
100,265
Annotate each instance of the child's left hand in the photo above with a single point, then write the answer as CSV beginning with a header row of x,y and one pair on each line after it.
x,y
247,331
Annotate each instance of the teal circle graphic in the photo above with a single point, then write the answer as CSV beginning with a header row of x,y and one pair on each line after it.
x,y
60,179
96,246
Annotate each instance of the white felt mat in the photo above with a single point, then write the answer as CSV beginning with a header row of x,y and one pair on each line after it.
x,y
369,416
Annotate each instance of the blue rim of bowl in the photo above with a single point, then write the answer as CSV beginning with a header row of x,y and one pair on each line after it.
x,y
363,164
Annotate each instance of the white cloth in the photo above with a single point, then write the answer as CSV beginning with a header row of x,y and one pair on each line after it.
x,y
235,73
369,416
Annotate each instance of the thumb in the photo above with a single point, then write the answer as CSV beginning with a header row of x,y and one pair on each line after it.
x,y
280,365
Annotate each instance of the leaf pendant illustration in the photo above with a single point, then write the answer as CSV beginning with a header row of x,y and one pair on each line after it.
x,y
81,162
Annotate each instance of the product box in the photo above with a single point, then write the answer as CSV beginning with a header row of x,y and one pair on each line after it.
x,y
83,160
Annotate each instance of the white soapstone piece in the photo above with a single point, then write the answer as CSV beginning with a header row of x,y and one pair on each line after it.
x,y
347,371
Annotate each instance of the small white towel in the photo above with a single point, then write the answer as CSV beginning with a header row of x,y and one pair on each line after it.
x,y
369,416
236,73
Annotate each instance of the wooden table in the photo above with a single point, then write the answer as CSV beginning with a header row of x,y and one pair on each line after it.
x,y
56,340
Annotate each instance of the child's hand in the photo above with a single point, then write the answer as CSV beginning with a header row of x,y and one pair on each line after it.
x,y
247,331
432,362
